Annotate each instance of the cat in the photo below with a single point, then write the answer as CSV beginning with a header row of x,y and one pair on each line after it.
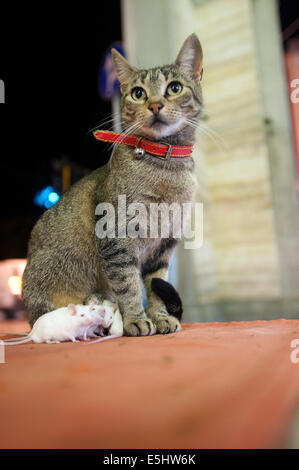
x,y
67,262
161,288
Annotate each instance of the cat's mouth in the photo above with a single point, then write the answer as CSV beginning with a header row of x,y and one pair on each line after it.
x,y
157,123
158,127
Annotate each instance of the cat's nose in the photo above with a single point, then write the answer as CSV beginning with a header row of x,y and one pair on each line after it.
x,y
156,107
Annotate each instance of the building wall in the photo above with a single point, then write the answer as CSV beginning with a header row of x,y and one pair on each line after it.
x,y
248,265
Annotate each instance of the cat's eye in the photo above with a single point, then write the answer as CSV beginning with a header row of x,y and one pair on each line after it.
x,y
174,88
138,94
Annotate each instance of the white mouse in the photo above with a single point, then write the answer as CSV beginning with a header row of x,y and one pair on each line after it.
x,y
67,323
106,319
116,328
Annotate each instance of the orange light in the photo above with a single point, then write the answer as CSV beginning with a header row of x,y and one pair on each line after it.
x,y
15,285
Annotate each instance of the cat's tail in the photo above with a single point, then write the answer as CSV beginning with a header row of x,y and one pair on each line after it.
x,y
169,295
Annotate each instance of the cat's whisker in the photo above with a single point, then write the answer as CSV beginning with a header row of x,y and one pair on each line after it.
x,y
125,132
213,132
216,138
201,126
204,130
121,137
110,118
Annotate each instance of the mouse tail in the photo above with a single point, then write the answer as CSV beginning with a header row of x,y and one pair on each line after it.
x,y
169,295
21,335
13,343
104,338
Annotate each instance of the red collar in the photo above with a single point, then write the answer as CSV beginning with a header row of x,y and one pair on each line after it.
x,y
142,145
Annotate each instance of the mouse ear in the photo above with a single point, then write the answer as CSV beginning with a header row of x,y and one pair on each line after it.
x,y
94,302
72,309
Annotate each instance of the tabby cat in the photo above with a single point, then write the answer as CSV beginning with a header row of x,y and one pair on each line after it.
x,y
67,262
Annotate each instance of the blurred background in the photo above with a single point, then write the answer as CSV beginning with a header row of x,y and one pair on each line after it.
x,y
55,67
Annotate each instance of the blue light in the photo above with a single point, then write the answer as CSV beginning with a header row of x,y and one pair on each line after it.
x,y
53,197
46,197
48,204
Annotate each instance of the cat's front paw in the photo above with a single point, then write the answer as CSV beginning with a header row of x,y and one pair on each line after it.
x,y
166,324
139,327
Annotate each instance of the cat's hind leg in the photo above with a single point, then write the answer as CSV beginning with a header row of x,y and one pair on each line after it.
x,y
157,266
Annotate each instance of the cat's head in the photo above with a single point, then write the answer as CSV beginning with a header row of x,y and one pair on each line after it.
x,y
162,101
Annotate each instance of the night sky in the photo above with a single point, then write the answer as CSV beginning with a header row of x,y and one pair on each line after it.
x,y
289,12
49,61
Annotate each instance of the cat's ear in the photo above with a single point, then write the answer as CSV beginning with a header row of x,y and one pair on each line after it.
x,y
123,69
190,57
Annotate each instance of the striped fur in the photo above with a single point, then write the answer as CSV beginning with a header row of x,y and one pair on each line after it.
x,y
67,261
